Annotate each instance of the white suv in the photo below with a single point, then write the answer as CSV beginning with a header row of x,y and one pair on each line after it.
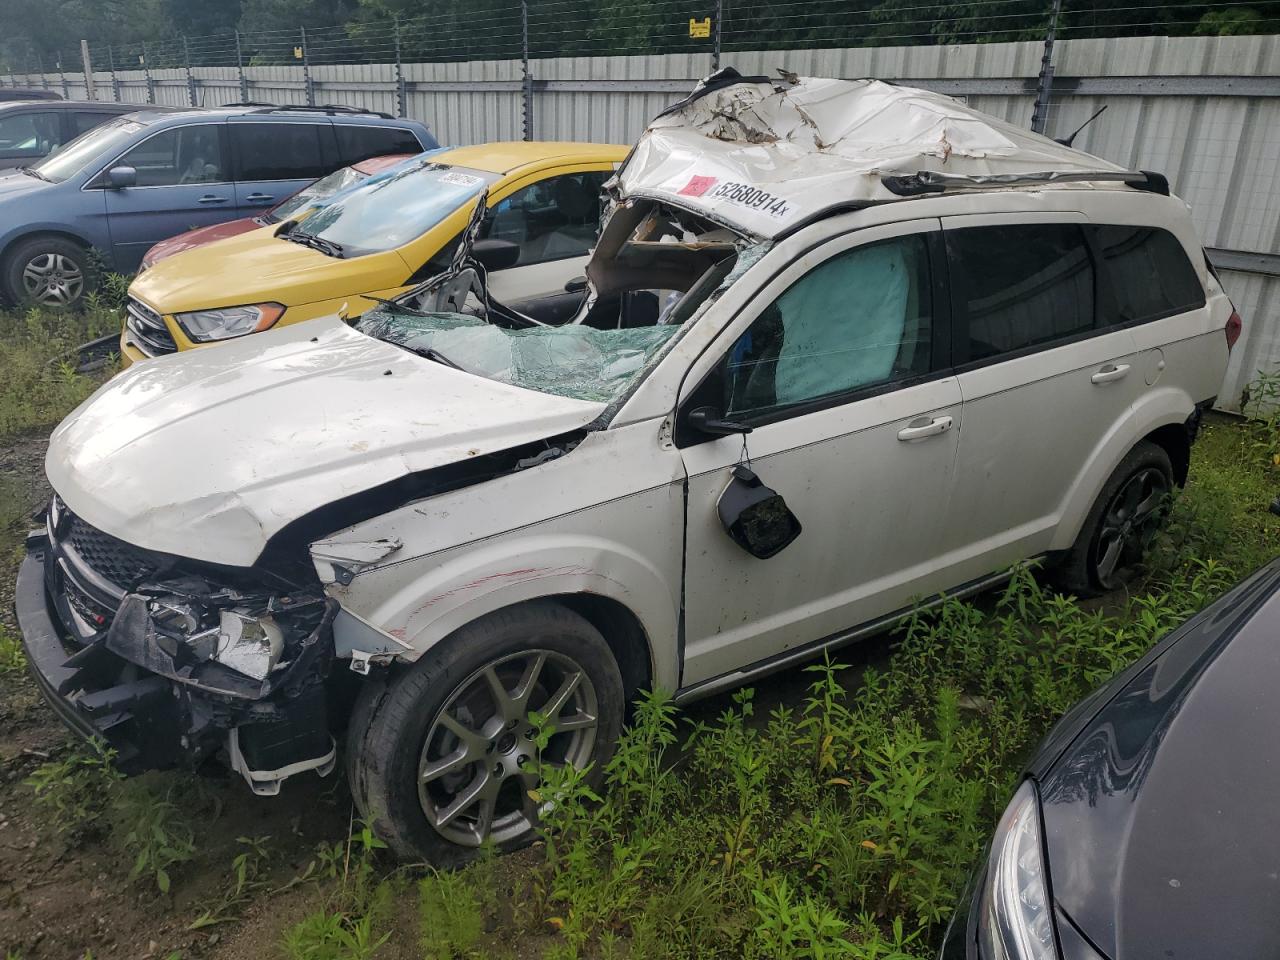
x,y
844,346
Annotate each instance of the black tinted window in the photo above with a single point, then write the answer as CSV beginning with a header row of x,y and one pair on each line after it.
x,y
356,143
277,151
862,318
1149,272
80,122
1020,285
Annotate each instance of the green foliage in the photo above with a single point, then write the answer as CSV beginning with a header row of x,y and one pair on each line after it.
x,y
451,911
75,791
38,355
157,832
248,877
12,658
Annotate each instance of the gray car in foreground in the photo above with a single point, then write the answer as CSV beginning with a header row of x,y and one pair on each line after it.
x,y
138,179
1146,825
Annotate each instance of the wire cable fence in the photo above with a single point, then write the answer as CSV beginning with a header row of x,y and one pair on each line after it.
x,y
537,29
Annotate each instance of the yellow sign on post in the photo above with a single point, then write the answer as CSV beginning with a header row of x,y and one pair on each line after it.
x,y
297,53
700,29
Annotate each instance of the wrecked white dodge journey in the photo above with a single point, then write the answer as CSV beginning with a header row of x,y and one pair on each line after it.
x,y
842,346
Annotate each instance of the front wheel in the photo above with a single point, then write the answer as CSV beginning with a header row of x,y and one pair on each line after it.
x,y
443,757
47,271
1121,525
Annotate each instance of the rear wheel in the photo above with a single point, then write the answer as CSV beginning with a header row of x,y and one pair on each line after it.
x,y
48,271
1121,525
443,757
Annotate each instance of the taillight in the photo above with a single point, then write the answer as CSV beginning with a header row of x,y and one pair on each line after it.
x,y
1235,326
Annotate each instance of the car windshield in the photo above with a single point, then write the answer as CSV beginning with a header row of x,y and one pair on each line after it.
x,y
112,136
392,208
310,197
574,361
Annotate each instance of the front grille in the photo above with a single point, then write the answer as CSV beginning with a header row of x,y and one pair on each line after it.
x,y
147,329
120,564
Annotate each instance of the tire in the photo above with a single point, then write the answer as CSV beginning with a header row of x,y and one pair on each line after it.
x,y
48,271
1123,519
431,720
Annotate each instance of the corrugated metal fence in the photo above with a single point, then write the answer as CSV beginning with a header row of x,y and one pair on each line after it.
x,y
1205,111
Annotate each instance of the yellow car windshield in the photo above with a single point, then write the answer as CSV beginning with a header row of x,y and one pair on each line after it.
x,y
395,207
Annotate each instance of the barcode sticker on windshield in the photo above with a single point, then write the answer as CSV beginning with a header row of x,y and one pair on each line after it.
x,y
460,179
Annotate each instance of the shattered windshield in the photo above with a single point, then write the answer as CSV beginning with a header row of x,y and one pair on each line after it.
x,y
392,208
573,361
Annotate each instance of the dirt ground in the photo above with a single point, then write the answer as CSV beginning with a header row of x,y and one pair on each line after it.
x,y
66,898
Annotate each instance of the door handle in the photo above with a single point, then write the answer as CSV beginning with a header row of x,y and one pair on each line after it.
x,y
258,198
210,198
1110,372
922,427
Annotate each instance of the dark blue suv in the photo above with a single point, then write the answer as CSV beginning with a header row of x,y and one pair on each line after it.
x,y
141,178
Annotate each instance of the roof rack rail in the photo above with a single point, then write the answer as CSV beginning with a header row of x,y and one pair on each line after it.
x,y
329,109
931,181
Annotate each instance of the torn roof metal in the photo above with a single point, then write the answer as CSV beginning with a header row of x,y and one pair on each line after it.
x,y
763,155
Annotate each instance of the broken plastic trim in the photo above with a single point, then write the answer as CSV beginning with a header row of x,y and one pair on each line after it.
x,y
724,77
931,181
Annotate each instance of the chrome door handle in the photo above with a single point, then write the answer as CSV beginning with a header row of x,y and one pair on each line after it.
x,y
258,198
210,198
922,427
1110,372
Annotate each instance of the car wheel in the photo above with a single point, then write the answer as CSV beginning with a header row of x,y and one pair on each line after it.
x,y
1121,525
441,758
49,272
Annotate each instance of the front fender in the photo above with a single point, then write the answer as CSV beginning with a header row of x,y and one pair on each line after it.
x,y
421,601
1160,406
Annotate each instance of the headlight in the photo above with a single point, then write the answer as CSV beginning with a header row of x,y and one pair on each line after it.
x,y
203,326
1015,921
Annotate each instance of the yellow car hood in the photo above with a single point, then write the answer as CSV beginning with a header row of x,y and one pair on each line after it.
x,y
258,267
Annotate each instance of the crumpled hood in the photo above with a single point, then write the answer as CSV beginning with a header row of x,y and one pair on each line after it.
x,y
1160,817
208,453
762,156
259,267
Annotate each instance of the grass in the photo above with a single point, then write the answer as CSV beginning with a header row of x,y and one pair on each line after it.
x,y
844,825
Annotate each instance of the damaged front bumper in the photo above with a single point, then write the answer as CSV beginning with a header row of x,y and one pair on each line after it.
x,y
146,680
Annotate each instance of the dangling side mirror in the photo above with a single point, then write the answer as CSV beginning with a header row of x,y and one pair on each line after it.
x,y
756,517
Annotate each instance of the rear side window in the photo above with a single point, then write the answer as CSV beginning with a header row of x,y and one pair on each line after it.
x,y
1149,272
28,134
356,143
553,219
191,154
1020,285
277,151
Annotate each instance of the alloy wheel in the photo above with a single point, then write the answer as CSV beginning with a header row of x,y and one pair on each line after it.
x,y
480,760
1129,523
53,280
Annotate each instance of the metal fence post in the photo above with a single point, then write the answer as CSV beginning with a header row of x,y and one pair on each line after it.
x,y
306,71
44,81
191,80
146,70
400,87
244,84
1044,87
89,92
115,81
716,32
527,90
62,75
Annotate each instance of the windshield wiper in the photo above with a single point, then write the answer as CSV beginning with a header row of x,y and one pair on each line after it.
x,y
35,173
430,353
327,247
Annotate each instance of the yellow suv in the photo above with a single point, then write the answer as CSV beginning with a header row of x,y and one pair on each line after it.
x,y
392,231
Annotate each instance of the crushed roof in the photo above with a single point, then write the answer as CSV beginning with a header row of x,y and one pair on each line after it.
x,y
763,155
